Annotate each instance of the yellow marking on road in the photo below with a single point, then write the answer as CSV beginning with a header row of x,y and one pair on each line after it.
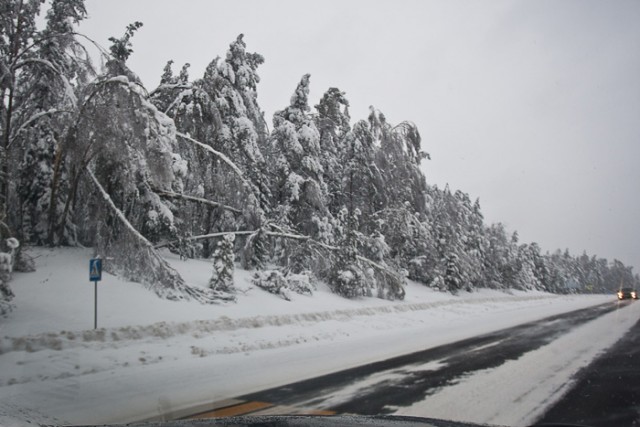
x,y
187,413
231,411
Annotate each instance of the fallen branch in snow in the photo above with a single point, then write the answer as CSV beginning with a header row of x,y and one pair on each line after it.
x,y
172,195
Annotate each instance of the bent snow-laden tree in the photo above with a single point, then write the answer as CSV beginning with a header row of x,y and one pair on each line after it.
x,y
128,148
40,70
36,71
219,111
133,163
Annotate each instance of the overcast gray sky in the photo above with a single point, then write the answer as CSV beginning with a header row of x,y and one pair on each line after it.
x,y
532,106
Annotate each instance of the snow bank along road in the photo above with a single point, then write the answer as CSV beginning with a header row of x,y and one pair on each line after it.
x,y
405,384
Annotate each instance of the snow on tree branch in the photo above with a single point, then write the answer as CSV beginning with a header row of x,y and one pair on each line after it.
x,y
117,211
67,86
34,118
177,99
172,195
166,86
224,158
205,236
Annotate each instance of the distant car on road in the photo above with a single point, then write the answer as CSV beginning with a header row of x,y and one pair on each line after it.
x,y
627,293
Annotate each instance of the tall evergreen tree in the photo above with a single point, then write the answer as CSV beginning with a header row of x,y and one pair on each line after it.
x,y
221,111
300,192
399,157
332,121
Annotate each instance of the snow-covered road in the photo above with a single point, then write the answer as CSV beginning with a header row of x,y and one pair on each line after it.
x,y
169,357
519,391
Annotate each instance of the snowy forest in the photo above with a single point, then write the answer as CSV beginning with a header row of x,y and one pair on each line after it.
x,y
91,157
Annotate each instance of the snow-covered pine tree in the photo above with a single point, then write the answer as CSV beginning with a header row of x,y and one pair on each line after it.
x,y
34,190
38,67
245,65
165,95
363,185
347,276
332,121
526,275
494,256
221,111
121,48
223,265
453,280
469,239
241,132
120,155
457,228
410,241
445,229
299,189
511,263
399,156
17,32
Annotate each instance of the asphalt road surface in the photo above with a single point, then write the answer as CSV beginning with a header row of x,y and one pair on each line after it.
x,y
382,387
607,392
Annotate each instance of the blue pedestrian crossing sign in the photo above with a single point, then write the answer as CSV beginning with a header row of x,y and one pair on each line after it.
x,y
95,269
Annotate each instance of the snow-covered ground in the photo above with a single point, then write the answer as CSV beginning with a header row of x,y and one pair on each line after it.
x,y
153,358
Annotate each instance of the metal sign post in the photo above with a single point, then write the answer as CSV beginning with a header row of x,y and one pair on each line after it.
x,y
95,275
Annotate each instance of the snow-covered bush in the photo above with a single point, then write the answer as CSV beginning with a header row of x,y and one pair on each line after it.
x,y
272,281
390,285
350,281
301,283
275,282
